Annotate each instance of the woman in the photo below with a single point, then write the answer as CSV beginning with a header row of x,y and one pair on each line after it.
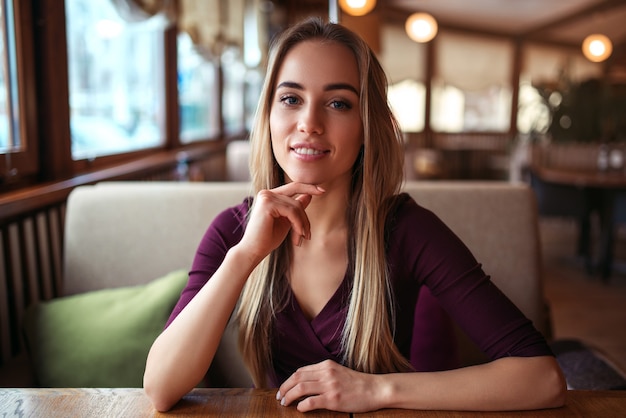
x,y
324,265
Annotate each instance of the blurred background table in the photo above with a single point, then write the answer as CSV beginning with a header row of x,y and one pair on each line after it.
x,y
580,193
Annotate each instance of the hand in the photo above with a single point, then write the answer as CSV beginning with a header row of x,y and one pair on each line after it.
x,y
275,213
328,385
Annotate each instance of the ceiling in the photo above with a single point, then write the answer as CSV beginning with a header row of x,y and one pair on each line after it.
x,y
560,21
563,22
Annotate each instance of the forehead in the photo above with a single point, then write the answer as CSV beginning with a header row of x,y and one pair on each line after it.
x,y
319,61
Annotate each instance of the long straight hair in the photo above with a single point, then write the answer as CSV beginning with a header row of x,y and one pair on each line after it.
x,y
377,177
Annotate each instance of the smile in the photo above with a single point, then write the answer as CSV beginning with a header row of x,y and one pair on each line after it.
x,y
308,151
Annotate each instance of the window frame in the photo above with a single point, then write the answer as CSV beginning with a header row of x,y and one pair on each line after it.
x,y
24,164
41,45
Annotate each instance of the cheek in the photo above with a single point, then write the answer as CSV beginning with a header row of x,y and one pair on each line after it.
x,y
276,136
277,125
354,134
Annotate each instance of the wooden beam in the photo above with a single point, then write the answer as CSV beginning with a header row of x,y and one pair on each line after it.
x,y
573,17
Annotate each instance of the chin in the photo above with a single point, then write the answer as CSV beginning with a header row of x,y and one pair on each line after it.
x,y
304,178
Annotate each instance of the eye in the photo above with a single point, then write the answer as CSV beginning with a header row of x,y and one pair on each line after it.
x,y
340,105
289,100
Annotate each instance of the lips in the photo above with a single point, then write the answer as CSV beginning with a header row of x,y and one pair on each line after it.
x,y
307,151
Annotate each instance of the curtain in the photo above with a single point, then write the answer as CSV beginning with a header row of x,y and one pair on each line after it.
x,y
546,64
138,10
401,58
484,61
211,24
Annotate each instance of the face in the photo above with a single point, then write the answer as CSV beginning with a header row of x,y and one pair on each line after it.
x,y
315,120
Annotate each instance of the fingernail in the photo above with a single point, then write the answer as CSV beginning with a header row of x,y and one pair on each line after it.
x,y
300,240
278,397
282,402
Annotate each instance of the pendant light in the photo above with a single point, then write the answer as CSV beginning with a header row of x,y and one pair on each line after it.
x,y
357,7
421,27
597,47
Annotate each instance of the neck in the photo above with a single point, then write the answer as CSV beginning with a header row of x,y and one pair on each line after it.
x,y
327,213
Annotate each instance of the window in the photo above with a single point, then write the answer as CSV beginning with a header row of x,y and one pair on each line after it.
x,y
459,110
546,74
404,62
408,103
9,100
18,149
477,99
116,79
197,92
233,100
533,114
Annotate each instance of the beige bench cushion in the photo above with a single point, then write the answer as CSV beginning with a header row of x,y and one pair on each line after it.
x,y
123,233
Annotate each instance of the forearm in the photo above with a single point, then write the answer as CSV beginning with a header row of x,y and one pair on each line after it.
x,y
181,355
512,383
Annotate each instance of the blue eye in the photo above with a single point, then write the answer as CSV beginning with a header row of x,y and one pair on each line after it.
x,y
289,100
340,105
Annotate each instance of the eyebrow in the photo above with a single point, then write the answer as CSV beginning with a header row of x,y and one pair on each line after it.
x,y
328,87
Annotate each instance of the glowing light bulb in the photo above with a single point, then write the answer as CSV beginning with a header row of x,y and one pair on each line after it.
x,y
421,27
597,47
357,7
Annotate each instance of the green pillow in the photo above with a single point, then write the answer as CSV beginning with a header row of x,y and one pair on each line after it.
x,y
99,338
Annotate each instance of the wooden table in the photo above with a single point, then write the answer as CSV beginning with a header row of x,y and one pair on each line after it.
x,y
601,189
582,178
130,403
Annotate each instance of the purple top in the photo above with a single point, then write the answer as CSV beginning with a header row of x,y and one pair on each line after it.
x,y
419,249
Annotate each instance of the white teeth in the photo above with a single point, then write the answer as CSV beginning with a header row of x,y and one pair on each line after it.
x,y
307,151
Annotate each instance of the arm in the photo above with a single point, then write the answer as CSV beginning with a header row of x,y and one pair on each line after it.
x,y
181,355
512,383
522,375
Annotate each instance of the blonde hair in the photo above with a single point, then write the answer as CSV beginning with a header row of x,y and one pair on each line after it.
x,y
377,177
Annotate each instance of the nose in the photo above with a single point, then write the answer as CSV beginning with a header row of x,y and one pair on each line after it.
x,y
311,120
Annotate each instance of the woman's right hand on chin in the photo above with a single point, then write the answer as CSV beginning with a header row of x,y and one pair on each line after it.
x,y
276,213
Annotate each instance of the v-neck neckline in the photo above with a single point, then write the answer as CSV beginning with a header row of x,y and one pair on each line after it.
x,y
327,310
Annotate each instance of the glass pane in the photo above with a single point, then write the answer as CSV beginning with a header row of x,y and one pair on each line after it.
x,y
116,80
233,101
9,98
408,102
478,98
197,93
456,110
253,87
533,114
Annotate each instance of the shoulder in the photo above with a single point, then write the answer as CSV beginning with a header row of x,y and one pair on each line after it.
x,y
234,214
412,228
405,212
228,225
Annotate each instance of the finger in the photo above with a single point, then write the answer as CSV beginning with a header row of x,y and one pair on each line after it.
x,y
292,388
311,403
300,392
302,194
293,210
293,189
279,206
304,200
